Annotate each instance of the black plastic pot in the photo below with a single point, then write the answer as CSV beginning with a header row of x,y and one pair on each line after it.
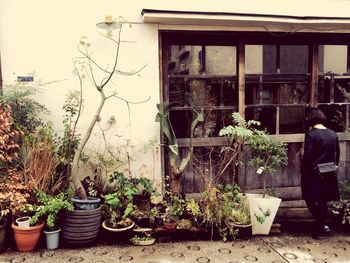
x,y
81,227
3,230
86,204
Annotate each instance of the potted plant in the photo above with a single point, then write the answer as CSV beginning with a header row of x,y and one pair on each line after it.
x,y
86,65
143,237
238,136
216,208
268,155
26,238
169,222
175,209
48,209
4,211
193,211
342,207
118,204
14,196
240,213
23,221
117,214
177,168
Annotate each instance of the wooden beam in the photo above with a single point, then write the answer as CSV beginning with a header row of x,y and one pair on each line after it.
x,y
241,77
314,74
285,193
202,142
331,89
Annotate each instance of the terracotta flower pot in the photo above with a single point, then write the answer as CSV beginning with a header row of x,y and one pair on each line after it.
x,y
170,225
27,238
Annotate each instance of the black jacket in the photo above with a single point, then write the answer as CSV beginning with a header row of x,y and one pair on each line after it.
x,y
320,146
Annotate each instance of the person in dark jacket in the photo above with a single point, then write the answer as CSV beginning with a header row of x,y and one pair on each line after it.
x,y
320,146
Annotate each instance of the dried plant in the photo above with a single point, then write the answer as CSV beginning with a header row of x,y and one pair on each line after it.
x,y
41,160
14,193
9,137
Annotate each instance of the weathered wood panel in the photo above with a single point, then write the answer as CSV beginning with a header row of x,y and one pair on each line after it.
x,y
286,176
286,182
285,193
289,176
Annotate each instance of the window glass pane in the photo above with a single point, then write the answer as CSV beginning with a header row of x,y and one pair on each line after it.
x,y
269,59
294,59
220,60
333,88
292,119
333,77
332,59
336,116
204,91
253,59
270,91
214,120
205,60
265,114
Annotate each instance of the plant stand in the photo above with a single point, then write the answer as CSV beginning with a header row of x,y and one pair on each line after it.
x,y
262,212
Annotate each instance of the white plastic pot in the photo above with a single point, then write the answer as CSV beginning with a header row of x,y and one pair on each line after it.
x,y
262,212
52,238
23,222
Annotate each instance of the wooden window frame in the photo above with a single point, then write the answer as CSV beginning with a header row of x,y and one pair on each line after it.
x,y
240,40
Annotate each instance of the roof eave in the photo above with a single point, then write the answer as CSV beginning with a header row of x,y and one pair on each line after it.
x,y
235,19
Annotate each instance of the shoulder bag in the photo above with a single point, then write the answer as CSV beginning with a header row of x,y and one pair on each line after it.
x,y
326,168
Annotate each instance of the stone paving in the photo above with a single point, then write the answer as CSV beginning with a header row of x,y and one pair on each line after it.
x,y
279,248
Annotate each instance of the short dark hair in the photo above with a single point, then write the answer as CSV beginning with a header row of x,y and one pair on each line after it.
x,y
314,116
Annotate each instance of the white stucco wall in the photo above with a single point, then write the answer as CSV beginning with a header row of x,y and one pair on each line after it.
x,y
40,38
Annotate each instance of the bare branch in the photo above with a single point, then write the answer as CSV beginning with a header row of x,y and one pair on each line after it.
x,y
124,73
127,101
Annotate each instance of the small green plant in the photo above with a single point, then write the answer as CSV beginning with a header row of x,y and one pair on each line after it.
x,y
342,208
117,210
49,207
238,135
177,168
193,208
154,212
267,155
217,208
120,203
264,214
240,212
69,142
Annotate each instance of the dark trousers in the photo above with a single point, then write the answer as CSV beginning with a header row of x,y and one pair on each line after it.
x,y
319,211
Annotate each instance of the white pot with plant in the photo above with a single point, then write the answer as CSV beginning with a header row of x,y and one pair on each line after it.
x,y
267,156
48,209
23,221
